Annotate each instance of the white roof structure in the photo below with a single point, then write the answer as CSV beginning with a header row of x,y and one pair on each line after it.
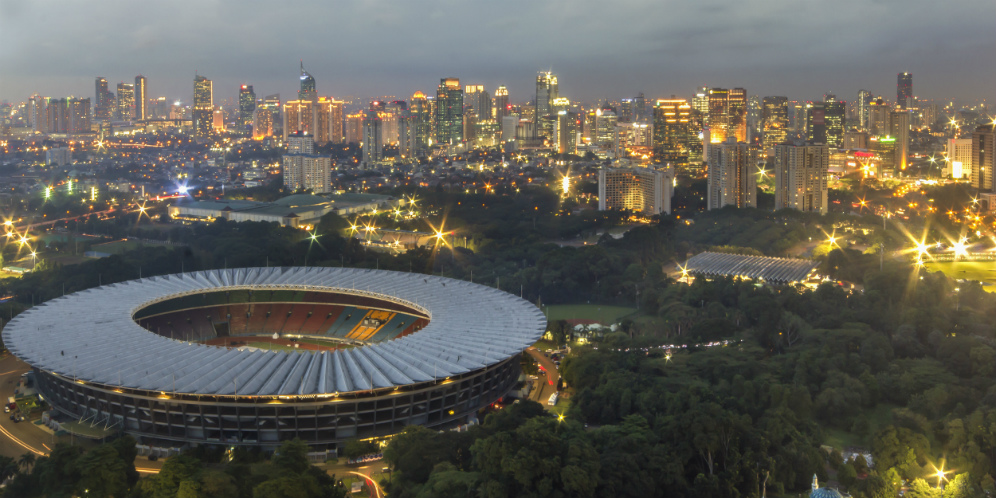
x,y
90,336
777,270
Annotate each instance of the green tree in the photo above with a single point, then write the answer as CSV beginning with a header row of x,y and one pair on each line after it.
x,y
292,456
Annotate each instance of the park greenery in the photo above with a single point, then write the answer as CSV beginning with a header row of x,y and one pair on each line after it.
x,y
108,471
902,367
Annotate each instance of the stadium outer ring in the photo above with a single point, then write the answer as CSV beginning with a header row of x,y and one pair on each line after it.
x,y
95,364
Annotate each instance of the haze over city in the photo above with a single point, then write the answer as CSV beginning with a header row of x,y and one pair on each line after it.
x,y
599,49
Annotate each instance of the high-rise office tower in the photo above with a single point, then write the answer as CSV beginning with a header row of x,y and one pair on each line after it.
x,y
273,103
247,105
983,147
834,115
754,131
57,116
336,110
299,116
203,111
406,135
646,190
307,92
864,102
604,128
640,107
103,99
501,103
900,130
303,169
262,123
37,112
421,120
738,114
449,112
322,127
816,123
904,90
879,113
547,89
719,115
141,99
672,135
959,158
700,104
774,121
567,132
626,114
79,116
373,148
732,174
801,177
477,99
126,101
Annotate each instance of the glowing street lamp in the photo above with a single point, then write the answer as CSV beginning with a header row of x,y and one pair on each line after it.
x,y
960,248
940,475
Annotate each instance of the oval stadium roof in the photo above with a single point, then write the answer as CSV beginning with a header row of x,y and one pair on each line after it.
x,y
91,336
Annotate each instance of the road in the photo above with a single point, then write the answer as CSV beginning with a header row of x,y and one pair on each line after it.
x,y
543,390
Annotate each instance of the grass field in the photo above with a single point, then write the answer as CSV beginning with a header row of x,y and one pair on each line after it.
x,y
983,271
599,312
273,347
878,417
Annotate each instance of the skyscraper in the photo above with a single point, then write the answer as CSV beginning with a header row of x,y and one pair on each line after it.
x,y
57,116
672,134
79,116
774,121
299,116
247,105
103,100
373,147
449,112
141,100
754,125
126,101
732,174
203,112
836,121
567,132
801,177
303,169
864,102
816,122
719,115
547,89
420,123
900,130
479,100
904,90
307,92
501,103
738,114
983,148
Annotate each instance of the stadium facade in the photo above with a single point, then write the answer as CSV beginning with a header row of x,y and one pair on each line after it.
x,y
143,356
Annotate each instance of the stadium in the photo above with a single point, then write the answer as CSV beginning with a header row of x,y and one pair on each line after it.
x,y
258,356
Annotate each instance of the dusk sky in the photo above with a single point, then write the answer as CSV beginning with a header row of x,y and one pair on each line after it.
x,y
598,48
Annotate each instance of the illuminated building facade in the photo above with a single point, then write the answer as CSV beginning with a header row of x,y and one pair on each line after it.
x,y
247,106
738,114
79,116
900,130
203,112
958,163
103,100
605,127
672,133
501,106
126,101
645,190
449,112
262,123
478,100
141,99
864,104
904,90
835,119
719,115
57,116
307,92
547,89
801,177
567,132
421,123
732,174
373,147
983,147
299,116
774,121
303,169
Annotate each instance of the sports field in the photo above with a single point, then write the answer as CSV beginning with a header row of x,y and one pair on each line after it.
x,y
598,312
983,271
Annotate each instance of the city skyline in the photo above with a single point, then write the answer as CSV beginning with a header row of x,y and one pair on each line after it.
x,y
763,47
